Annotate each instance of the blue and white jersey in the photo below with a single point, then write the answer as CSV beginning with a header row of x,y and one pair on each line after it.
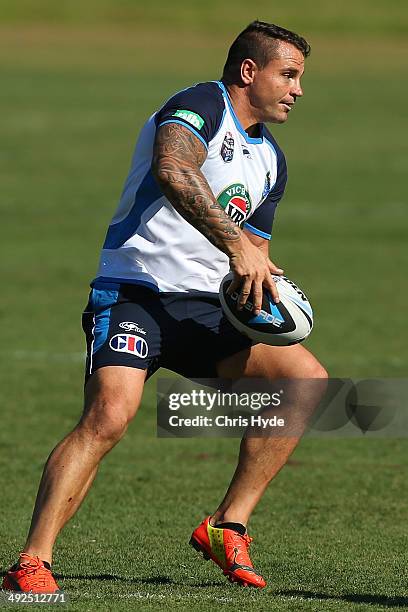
x,y
148,242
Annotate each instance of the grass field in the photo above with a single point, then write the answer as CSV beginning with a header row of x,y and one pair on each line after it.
x,y
78,81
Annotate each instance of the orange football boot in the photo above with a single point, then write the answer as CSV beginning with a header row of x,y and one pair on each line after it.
x,y
30,575
228,549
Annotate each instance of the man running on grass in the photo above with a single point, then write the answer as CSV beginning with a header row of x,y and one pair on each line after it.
x,y
199,200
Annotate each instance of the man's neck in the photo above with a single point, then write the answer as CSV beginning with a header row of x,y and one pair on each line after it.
x,y
243,111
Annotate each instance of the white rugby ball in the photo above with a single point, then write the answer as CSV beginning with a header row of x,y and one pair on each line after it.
x,y
288,322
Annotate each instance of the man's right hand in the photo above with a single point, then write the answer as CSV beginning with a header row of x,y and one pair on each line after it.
x,y
252,274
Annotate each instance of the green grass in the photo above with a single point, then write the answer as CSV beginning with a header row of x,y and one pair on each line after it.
x,y
331,530
365,17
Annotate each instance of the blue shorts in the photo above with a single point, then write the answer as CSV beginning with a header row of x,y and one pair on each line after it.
x,y
131,325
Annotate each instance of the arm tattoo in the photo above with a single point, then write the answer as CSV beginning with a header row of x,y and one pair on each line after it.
x,y
177,158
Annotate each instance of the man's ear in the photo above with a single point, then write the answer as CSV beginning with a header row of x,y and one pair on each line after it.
x,y
248,70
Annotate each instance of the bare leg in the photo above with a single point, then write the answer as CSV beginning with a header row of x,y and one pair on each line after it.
x,y
261,459
112,397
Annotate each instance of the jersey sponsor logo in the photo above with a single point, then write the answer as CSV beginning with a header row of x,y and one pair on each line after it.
x,y
127,343
267,185
227,147
236,202
130,326
190,117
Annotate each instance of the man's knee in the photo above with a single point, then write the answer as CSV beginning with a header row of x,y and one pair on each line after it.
x,y
106,420
312,368
110,405
303,364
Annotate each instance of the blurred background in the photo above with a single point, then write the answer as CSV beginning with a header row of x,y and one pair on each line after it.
x,y
78,80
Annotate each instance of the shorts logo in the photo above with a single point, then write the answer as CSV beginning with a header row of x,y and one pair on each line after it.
x,y
190,117
130,326
236,202
227,147
127,343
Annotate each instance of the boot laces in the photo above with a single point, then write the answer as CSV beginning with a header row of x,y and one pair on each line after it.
x,y
239,546
32,564
247,539
34,567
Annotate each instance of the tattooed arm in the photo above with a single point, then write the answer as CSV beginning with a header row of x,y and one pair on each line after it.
x,y
177,158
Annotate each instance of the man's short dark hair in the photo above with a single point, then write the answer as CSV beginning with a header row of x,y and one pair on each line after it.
x,y
259,42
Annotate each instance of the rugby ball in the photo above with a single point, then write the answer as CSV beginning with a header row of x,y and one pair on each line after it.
x,y
288,322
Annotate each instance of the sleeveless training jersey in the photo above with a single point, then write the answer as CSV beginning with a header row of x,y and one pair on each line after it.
x,y
148,242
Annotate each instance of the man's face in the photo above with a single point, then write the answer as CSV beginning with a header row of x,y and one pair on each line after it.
x,y
274,89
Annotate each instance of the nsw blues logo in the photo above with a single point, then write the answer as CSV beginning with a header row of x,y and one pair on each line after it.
x,y
227,147
267,185
127,343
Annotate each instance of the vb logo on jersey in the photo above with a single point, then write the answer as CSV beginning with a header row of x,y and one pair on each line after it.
x,y
236,202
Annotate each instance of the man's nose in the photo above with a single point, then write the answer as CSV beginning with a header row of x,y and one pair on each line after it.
x,y
297,90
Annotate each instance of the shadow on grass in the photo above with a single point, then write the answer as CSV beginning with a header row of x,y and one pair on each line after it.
x,y
112,577
159,580
383,600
